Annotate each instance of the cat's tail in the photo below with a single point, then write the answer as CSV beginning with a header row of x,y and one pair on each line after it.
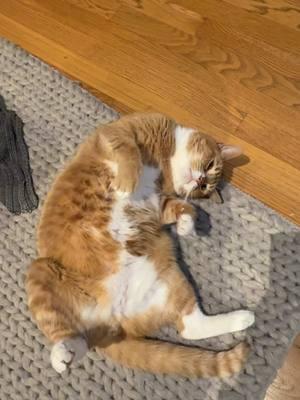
x,y
162,357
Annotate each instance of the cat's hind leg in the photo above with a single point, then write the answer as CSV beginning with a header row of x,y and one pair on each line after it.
x,y
67,351
192,323
197,325
52,306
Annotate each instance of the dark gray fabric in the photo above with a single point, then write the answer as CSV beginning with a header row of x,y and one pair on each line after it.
x,y
16,186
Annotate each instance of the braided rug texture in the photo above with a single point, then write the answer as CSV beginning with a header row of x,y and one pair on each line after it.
x,y
246,256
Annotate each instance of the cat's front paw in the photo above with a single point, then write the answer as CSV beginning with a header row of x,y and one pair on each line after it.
x,y
125,184
66,351
127,178
185,225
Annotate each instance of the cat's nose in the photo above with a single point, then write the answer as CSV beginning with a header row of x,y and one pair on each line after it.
x,y
201,180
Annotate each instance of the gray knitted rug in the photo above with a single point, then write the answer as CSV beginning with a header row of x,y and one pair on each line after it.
x,y
246,256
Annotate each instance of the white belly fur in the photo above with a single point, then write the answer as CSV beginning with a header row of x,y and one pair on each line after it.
x,y
135,288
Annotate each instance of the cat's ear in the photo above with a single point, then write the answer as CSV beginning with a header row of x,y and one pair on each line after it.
x,y
229,152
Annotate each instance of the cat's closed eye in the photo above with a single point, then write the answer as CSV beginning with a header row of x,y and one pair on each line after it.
x,y
210,165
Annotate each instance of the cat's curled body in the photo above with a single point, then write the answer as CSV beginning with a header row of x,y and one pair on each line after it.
x,y
106,275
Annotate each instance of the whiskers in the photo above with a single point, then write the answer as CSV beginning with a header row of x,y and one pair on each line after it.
x,y
188,194
189,188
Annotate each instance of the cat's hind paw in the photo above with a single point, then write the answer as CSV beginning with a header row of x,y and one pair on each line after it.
x,y
66,351
241,320
185,225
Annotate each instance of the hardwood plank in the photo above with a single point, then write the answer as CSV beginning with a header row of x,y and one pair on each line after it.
x,y
239,89
297,341
286,384
294,3
103,8
280,11
268,33
281,61
268,56
268,73
156,79
238,105
170,14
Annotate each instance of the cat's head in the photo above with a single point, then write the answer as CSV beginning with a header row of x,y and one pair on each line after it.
x,y
197,163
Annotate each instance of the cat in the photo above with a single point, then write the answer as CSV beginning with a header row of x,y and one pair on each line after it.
x,y
107,275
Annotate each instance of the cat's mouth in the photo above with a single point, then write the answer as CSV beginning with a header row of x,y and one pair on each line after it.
x,y
195,180
192,185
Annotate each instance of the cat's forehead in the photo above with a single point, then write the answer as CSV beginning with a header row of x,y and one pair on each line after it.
x,y
202,146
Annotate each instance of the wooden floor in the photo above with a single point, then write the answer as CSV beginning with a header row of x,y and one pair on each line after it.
x,y
229,67
286,386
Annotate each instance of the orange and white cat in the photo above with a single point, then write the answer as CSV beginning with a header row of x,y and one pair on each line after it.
x,y
106,276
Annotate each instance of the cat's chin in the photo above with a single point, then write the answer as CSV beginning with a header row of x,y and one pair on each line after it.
x,y
190,186
191,191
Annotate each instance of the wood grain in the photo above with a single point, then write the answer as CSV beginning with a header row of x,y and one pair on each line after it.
x,y
281,11
229,67
139,62
249,26
286,385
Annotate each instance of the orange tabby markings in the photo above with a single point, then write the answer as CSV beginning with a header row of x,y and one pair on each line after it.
x,y
107,274
136,288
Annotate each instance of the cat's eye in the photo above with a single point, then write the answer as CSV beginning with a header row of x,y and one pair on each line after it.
x,y
210,165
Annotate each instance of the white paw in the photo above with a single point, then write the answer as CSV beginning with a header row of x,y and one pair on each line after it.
x,y
67,351
122,195
185,225
188,187
241,320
